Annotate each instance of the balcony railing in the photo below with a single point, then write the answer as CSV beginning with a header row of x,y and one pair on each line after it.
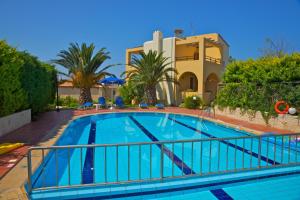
x,y
213,60
134,162
183,58
207,58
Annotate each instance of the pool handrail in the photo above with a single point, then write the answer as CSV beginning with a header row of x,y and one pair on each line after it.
x,y
163,144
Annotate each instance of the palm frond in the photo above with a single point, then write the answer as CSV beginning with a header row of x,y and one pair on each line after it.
x,y
84,67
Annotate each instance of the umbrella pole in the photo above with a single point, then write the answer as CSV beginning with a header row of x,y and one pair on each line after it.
x,y
112,94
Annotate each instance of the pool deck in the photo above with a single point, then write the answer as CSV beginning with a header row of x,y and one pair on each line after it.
x,y
49,126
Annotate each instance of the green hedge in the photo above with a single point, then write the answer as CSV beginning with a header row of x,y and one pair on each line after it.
x,y
258,84
25,82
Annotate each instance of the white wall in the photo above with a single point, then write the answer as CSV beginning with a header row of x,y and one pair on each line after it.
x,y
286,122
95,92
148,46
12,122
168,49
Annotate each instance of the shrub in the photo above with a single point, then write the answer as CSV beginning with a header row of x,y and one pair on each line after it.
x,y
38,80
13,97
25,82
192,102
259,84
131,91
68,101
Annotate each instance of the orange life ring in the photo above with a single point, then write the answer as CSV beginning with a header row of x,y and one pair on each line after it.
x,y
279,103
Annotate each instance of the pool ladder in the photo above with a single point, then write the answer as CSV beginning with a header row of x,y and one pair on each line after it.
x,y
202,124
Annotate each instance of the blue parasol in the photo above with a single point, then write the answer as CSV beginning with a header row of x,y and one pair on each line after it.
x,y
112,81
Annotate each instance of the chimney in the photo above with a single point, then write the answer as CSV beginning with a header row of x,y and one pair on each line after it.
x,y
178,33
157,41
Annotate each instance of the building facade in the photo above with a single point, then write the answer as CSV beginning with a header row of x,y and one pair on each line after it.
x,y
200,61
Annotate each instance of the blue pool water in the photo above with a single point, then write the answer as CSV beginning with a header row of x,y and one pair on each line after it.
x,y
277,188
100,165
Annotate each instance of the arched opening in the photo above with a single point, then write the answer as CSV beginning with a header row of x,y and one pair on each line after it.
x,y
211,86
188,82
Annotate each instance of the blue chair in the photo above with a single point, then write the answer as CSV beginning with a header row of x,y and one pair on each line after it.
x,y
87,105
119,102
143,105
102,102
159,106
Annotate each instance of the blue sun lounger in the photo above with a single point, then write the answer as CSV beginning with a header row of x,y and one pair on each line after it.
x,y
159,106
143,105
119,102
86,105
102,102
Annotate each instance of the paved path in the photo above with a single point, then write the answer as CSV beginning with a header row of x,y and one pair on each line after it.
x,y
34,133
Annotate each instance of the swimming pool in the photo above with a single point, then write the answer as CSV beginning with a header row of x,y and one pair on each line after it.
x,y
154,146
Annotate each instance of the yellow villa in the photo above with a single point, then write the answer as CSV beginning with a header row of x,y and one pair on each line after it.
x,y
200,61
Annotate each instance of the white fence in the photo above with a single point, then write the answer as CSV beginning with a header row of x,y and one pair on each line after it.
x,y
14,121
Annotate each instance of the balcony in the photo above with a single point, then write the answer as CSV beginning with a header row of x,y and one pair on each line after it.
x,y
213,60
207,58
184,58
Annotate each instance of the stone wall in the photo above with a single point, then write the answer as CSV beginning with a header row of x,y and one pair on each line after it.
x,y
287,122
14,121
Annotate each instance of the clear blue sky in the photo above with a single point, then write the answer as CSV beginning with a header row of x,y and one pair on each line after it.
x,y
44,27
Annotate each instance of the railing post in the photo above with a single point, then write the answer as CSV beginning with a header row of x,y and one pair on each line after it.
x,y
259,152
275,143
69,167
296,147
150,162
128,160
162,161
29,171
289,150
105,167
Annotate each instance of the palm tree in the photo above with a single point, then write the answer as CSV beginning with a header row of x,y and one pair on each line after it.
x,y
148,70
83,67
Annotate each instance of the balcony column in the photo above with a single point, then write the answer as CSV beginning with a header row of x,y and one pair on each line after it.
x,y
201,67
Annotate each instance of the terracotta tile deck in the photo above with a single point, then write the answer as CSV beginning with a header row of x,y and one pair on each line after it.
x,y
9,160
32,134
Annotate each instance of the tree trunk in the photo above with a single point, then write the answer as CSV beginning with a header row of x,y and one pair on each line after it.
x,y
151,95
85,95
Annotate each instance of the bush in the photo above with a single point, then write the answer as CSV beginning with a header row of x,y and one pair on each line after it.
x,y
68,101
131,91
13,97
38,80
192,102
25,82
259,84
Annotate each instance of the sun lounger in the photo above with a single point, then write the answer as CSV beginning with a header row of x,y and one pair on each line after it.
x,y
102,102
160,106
119,102
143,105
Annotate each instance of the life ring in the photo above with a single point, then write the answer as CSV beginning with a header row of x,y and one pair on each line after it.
x,y
279,103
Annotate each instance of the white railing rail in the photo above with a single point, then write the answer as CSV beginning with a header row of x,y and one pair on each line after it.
x,y
265,149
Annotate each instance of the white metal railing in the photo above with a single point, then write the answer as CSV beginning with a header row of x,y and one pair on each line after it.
x,y
214,152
